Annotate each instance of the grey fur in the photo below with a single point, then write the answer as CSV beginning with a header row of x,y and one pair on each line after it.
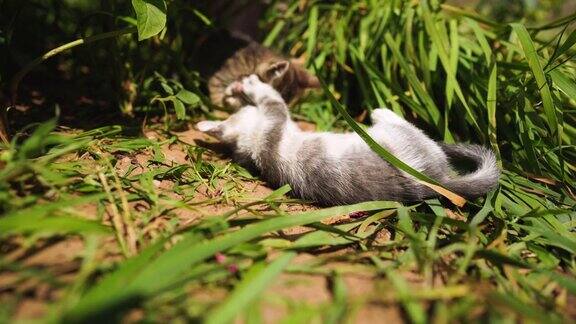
x,y
476,183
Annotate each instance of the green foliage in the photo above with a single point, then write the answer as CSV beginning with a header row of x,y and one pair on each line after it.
x,y
150,17
164,222
162,90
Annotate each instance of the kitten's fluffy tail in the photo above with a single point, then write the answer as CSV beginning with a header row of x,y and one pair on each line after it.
x,y
482,179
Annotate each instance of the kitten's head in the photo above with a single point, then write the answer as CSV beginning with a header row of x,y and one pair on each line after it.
x,y
288,77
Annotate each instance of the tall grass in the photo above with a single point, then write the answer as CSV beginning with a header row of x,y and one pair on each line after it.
x,y
463,78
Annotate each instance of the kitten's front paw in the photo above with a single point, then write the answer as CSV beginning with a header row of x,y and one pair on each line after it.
x,y
211,127
236,88
233,95
258,90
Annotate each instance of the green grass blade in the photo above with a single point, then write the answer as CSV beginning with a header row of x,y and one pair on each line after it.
x,y
338,309
56,224
471,15
481,37
312,32
536,67
454,57
253,284
491,102
41,219
413,309
566,84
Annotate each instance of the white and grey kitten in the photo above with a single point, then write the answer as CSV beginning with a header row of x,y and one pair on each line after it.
x,y
336,169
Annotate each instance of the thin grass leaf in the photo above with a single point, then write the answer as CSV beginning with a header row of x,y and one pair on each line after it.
x,y
253,284
470,15
339,236
536,67
50,225
501,259
566,84
483,42
491,102
338,309
47,209
312,32
483,213
413,308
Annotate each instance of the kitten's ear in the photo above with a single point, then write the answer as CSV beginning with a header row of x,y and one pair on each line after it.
x,y
276,70
305,78
212,128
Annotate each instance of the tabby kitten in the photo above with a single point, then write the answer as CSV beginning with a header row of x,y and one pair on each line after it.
x,y
335,169
288,78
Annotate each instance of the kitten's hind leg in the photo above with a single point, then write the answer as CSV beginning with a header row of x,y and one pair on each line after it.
x,y
407,142
394,125
385,116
